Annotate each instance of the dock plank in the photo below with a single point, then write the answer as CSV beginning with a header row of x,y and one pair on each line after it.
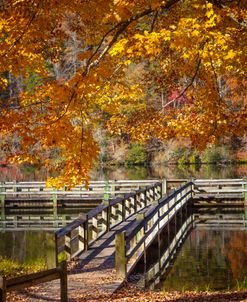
x,y
92,272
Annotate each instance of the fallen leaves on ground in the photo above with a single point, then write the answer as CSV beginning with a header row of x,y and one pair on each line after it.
x,y
130,293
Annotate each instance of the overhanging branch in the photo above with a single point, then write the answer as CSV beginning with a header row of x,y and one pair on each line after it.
x,y
187,87
119,29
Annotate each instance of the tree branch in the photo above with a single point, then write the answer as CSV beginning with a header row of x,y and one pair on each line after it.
x,y
215,77
154,20
73,94
120,28
18,39
187,87
220,4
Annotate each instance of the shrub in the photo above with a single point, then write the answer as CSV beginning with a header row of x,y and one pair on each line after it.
x,y
195,159
182,155
217,154
182,160
137,155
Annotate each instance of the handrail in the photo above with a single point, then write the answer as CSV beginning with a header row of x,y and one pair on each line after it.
x,y
102,219
156,209
222,186
7,285
226,180
97,186
110,181
131,245
92,185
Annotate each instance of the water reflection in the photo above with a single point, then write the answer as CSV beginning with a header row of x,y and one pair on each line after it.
x,y
161,171
197,253
28,247
30,173
209,259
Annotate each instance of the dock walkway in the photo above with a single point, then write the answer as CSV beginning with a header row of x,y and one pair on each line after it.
x,y
112,238
91,274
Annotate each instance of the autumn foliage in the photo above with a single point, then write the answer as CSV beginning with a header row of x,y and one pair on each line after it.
x,y
77,64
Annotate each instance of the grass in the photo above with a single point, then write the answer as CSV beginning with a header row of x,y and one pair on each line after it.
x,y
241,285
10,268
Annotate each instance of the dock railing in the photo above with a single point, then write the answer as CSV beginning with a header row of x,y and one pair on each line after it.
x,y
131,245
98,188
77,236
21,282
220,188
159,268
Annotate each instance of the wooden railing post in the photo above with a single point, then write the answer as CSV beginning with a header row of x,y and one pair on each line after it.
x,y
158,191
106,217
113,187
86,233
120,255
164,186
106,196
113,214
123,209
143,198
192,187
67,245
138,201
245,195
126,206
63,282
54,202
2,201
94,227
81,238
147,199
140,216
135,203
3,289
154,197
56,249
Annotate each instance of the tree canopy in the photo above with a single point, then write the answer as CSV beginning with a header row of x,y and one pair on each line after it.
x,y
142,68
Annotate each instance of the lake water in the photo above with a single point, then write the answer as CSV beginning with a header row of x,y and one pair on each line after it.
x,y
29,173
29,247
209,259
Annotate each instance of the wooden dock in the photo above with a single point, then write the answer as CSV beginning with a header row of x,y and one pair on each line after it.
x,y
108,243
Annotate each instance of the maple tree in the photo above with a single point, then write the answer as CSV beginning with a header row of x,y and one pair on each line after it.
x,y
75,61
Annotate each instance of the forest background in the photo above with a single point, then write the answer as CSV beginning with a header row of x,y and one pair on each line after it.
x,y
125,82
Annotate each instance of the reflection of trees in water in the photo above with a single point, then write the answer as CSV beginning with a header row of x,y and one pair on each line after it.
x,y
206,260
28,246
203,171
29,172
236,253
162,171
8,173
23,172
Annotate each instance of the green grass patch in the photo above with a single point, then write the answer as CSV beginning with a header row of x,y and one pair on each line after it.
x,y
10,268
241,284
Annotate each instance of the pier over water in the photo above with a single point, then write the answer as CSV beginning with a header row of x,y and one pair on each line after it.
x,y
111,242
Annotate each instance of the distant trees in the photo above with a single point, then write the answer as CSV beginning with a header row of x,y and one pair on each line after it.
x,y
68,66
